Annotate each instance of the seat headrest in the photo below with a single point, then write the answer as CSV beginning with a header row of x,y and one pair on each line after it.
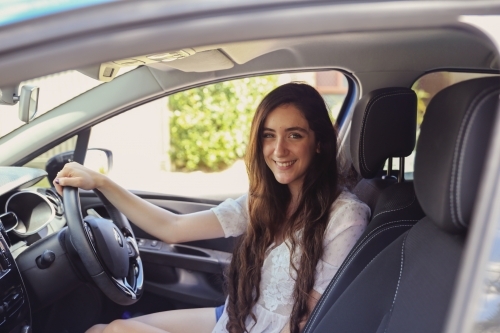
x,y
451,150
383,125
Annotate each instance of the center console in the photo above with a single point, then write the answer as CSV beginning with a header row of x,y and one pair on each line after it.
x,y
15,316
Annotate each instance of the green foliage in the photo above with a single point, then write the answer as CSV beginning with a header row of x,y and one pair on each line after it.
x,y
422,100
209,126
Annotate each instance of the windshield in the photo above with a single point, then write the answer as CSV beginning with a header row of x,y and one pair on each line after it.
x,y
55,89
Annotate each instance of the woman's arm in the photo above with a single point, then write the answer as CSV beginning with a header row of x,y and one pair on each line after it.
x,y
314,297
165,225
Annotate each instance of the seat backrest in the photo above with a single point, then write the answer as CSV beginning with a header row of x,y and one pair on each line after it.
x,y
397,208
408,286
383,126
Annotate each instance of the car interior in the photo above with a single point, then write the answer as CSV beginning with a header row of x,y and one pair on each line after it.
x,y
69,262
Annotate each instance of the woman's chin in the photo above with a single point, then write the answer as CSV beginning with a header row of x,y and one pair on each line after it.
x,y
283,181
286,180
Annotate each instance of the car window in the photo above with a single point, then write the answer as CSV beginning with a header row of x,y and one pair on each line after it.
x,y
488,313
192,143
426,87
40,161
55,90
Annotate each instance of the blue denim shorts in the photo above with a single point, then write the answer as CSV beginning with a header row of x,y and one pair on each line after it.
x,y
218,312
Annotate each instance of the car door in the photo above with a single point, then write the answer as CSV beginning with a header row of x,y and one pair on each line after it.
x,y
188,274
185,153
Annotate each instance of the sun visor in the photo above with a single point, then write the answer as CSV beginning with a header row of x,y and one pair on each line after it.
x,y
206,61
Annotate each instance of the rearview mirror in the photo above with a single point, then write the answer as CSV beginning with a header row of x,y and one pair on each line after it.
x,y
96,159
28,103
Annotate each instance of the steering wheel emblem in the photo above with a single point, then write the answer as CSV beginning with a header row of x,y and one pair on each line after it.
x,y
117,237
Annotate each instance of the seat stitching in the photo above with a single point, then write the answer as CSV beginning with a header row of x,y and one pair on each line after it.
x,y
353,252
366,114
321,303
462,152
399,279
341,270
457,151
360,243
393,210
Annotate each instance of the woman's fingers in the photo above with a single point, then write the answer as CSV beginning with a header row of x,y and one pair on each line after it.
x,y
75,175
73,181
57,186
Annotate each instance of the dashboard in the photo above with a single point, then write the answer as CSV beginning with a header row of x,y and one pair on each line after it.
x,y
39,264
26,216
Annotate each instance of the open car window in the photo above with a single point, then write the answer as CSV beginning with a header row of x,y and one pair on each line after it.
x,y
426,87
192,143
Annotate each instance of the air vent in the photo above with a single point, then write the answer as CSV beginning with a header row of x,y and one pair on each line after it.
x,y
55,200
12,301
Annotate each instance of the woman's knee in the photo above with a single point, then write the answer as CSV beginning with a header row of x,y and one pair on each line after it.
x,y
118,325
99,328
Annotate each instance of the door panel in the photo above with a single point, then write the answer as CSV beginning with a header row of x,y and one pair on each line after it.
x,y
189,273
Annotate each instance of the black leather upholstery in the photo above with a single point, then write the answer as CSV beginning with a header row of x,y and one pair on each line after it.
x,y
379,118
394,207
369,190
397,211
455,133
407,287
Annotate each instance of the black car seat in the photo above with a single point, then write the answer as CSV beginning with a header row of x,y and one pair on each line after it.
x,y
408,286
384,126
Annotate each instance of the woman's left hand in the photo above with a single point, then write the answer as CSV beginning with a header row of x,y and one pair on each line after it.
x,y
76,175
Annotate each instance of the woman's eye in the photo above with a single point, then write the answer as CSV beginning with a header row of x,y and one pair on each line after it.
x,y
295,136
267,135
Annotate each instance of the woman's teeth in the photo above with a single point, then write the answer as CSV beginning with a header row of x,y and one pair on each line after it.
x,y
285,164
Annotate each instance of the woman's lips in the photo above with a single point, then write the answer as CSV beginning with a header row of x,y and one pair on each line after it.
x,y
285,165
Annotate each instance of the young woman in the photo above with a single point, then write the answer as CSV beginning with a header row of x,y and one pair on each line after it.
x,y
298,223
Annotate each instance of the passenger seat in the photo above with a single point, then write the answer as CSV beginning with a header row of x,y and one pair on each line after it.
x,y
383,126
408,286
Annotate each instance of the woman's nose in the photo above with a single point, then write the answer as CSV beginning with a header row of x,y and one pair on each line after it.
x,y
280,149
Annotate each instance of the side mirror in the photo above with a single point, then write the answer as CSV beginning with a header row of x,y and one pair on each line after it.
x,y
96,159
28,103
100,160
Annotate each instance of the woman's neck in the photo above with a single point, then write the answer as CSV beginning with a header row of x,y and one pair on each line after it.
x,y
295,189
294,202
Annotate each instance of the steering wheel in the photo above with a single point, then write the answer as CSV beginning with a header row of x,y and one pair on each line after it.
x,y
108,249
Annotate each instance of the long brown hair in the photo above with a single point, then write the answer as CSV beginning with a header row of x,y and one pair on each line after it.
x,y
268,202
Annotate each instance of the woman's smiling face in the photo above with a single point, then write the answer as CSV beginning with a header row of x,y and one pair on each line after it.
x,y
289,146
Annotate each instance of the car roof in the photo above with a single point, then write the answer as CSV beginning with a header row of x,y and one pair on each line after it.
x,y
378,44
358,36
24,10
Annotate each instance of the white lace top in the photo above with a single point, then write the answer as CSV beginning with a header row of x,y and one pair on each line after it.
x,y
348,220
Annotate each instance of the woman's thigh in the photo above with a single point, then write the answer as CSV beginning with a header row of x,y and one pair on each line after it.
x,y
175,321
181,321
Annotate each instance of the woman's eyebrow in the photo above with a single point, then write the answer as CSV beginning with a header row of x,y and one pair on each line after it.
x,y
290,129
300,129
